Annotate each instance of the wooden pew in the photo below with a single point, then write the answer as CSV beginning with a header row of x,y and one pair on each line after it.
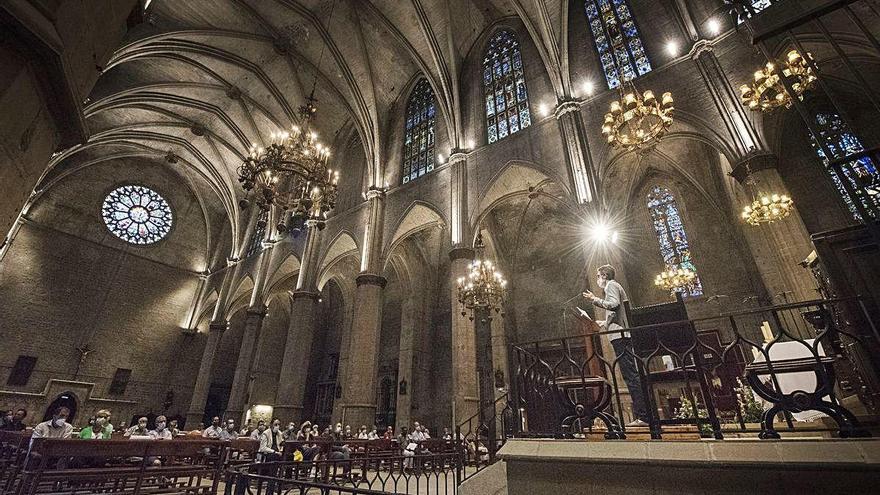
x,y
123,467
13,451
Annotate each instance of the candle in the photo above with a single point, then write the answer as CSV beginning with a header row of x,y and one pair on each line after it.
x,y
768,333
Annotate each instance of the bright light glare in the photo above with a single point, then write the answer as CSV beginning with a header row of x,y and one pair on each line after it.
x,y
588,87
602,233
714,26
672,48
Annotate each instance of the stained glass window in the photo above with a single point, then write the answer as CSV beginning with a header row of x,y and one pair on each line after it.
x,y
836,135
418,141
504,88
670,233
617,40
751,7
255,245
137,214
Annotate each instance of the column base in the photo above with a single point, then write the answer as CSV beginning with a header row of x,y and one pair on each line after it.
x,y
358,414
288,412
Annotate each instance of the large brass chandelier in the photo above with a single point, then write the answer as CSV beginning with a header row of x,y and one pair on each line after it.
x,y
768,93
675,278
768,209
637,120
483,286
292,172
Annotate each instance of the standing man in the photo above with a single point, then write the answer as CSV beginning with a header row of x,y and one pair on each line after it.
x,y
616,319
271,441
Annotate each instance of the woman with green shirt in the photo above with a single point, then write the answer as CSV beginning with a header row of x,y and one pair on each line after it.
x,y
101,430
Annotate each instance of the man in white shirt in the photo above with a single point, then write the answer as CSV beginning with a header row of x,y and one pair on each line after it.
x,y
215,430
271,441
161,432
229,433
57,427
261,427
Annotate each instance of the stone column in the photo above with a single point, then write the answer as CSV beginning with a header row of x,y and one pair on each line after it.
x,y
464,354
482,339
300,334
203,380
582,173
499,351
297,353
253,324
778,247
359,384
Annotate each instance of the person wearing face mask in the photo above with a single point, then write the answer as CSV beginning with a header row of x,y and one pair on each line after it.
x,y
101,429
290,432
363,434
172,426
271,442
139,429
229,433
57,427
616,319
161,432
215,430
261,427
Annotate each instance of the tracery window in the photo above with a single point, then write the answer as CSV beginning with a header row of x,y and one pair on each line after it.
x,y
137,214
749,8
418,142
255,245
836,135
617,40
504,88
670,233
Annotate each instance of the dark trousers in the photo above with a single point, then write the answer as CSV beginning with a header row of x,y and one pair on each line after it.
x,y
624,351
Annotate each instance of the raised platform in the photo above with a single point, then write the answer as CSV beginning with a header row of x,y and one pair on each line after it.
x,y
800,466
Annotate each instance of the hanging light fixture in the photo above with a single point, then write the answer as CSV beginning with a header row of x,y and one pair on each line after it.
x,y
292,172
483,286
768,93
676,278
637,121
765,208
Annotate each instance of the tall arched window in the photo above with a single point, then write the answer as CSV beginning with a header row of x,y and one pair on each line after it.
x,y
504,88
418,141
617,38
836,135
670,233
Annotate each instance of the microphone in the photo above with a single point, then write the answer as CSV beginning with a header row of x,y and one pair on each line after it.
x,y
572,299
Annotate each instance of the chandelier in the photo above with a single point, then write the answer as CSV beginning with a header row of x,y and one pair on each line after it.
x,y
768,209
637,120
483,287
673,279
768,93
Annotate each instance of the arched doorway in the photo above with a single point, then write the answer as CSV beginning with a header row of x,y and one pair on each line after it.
x,y
65,399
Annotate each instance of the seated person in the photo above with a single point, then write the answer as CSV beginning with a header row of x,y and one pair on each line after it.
x,y
14,422
247,429
161,432
101,429
139,429
290,432
363,434
373,435
271,442
447,435
308,447
389,433
215,430
172,425
229,433
57,427
261,427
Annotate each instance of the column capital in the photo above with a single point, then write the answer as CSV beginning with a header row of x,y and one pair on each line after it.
x,y
257,310
566,107
218,326
754,161
457,155
304,294
461,253
375,192
371,279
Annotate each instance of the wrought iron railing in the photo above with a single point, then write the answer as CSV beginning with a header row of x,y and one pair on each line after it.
x,y
420,474
805,367
483,435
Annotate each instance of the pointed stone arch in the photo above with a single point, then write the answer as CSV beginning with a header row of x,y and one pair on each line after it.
x,y
343,245
417,217
288,268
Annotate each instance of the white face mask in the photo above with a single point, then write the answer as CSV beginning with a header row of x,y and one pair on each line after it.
x,y
58,422
101,421
160,426
276,428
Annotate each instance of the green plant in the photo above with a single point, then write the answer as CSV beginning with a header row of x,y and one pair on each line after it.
x,y
751,409
686,411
